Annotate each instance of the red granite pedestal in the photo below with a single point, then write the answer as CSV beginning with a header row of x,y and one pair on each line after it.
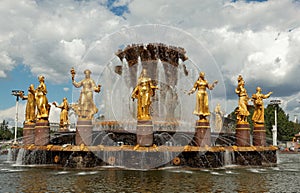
x,y
242,134
202,133
144,133
259,135
84,131
28,133
42,132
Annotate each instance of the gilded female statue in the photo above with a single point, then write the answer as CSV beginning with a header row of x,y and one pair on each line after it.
x,y
64,114
242,111
30,105
201,108
43,107
257,98
85,107
143,93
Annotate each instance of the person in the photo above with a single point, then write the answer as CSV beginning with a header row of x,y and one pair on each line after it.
x,y
64,114
201,108
219,118
43,107
143,92
30,105
257,98
242,111
85,107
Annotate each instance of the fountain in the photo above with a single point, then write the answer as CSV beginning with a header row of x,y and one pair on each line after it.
x,y
156,131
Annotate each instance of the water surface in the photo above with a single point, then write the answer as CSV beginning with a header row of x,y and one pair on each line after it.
x,y
285,177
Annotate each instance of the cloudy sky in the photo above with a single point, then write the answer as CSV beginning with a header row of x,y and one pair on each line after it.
x,y
258,39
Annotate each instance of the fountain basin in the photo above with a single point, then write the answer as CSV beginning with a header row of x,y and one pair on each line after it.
x,y
147,157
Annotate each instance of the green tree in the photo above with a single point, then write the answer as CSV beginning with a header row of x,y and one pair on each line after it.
x,y
19,132
5,133
285,128
297,127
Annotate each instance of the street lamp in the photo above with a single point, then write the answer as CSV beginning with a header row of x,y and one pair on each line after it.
x,y
16,93
274,130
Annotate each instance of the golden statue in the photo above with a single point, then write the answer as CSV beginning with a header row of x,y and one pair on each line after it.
x,y
202,109
242,111
143,92
218,118
30,105
85,107
257,98
64,114
43,107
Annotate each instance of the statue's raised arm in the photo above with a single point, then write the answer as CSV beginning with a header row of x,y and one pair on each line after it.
x,y
64,114
30,105
201,108
257,98
85,108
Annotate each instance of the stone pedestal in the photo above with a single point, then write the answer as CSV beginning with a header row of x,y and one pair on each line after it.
x,y
28,133
42,133
259,135
144,133
84,130
202,133
242,134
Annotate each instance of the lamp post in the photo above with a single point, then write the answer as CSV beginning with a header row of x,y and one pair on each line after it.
x,y
16,93
274,130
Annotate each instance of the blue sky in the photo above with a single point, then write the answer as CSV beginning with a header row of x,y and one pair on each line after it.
x,y
20,78
252,38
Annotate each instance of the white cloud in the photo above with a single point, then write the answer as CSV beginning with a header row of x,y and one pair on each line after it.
x,y
50,36
208,14
6,63
74,49
121,3
10,115
259,40
245,38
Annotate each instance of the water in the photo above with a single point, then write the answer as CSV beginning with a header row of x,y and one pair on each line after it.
x,y
283,178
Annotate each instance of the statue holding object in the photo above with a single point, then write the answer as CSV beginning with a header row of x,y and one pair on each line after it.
x,y
242,111
202,108
30,105
64,114
43,108
257,98
143,92
85,108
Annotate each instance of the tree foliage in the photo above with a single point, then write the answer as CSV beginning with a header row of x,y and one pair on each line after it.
x,y
5,133
286,129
